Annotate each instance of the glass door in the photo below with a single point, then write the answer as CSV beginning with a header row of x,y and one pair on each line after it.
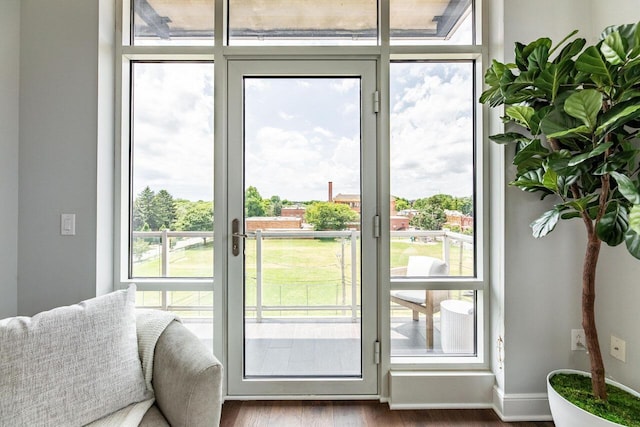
x,y
302,292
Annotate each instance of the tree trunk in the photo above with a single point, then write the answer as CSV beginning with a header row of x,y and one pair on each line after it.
x,y
589,318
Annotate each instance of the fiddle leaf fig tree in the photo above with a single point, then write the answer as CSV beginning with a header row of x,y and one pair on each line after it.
x,y
573,113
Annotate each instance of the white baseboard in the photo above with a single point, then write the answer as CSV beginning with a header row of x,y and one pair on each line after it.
x,y
440,390
513,407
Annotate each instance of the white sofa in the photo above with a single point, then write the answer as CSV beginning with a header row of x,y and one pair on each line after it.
x,y
103,363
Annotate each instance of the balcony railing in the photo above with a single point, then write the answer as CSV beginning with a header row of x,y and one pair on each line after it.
x,y
347,297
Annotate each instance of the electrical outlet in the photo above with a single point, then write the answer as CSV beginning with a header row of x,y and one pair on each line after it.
x,y
618,348
577,340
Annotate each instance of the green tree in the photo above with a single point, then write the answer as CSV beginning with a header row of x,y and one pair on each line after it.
x,y
430,217
465,205
443,201
402,203
253,203
140,246
143,210
276,206
195,216
164,210
329,216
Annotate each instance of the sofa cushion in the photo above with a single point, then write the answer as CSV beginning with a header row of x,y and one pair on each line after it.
x,y
71,365
154,418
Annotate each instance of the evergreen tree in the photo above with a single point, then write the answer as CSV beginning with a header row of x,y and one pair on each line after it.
x,y
143,209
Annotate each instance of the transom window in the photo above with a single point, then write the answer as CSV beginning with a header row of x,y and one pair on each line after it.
x,y
302,22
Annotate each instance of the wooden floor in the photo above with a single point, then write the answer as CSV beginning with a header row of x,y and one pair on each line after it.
x,y
352,414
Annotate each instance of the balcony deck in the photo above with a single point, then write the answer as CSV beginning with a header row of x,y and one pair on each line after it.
x,y
282,347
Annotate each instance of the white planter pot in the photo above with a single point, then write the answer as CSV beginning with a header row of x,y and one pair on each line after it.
x,y
566,414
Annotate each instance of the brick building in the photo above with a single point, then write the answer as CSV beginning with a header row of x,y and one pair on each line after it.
x,y
272,223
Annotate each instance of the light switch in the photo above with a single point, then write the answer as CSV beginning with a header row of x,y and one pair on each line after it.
x,y
68,224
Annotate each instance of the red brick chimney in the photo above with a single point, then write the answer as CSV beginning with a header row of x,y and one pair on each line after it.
x,y
330,191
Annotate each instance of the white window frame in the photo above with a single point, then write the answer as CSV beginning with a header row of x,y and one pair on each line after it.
x,y
384,53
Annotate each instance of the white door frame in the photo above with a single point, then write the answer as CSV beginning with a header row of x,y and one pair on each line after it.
x,y
237,384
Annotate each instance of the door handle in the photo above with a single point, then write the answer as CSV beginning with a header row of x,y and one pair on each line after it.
x,y
236,236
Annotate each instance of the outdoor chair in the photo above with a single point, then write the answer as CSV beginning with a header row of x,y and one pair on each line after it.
x,y
425,302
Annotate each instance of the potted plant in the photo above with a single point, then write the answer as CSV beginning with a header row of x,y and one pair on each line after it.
x,y
573,113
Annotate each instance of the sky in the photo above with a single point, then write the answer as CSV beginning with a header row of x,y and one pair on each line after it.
x,y
301,133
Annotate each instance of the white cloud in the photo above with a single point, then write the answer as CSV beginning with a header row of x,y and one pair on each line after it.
x,y
173,129
293,146
285,116
323,131
432,131
345,85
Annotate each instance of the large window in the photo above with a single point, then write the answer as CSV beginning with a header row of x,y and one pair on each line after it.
x,y
432,171
171,170
426,157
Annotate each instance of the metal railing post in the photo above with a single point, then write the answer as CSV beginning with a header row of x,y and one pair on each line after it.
x,y
165,253
446,241
354,277
342,275
259,275
461,256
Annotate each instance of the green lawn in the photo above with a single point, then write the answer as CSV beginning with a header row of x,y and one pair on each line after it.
x,y
295,272
197,261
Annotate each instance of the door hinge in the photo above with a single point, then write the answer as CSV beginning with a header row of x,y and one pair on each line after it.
x,y
376,226
376,352
376,102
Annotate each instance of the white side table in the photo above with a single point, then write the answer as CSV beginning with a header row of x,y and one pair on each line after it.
x,y
456,326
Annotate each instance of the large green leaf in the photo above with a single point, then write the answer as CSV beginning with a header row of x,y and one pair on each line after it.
x,y
520,114
618,116
634,218
632,240
631,93
559,162
493,78
601,148
580,130
550,180
591,62
613,225
614,48
522,52
539,57
629,32
534,148
546,223
553,77
531,181
540,114
508,137
558,124
570,50
584,105
530,164
583,203
627,188
565,182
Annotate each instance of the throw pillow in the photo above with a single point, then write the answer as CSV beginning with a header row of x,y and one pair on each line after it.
x,y
70,365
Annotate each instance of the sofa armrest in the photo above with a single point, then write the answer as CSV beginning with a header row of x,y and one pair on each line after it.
x,y
187,379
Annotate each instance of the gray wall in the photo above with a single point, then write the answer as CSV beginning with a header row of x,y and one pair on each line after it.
x,y
59,147
9,81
